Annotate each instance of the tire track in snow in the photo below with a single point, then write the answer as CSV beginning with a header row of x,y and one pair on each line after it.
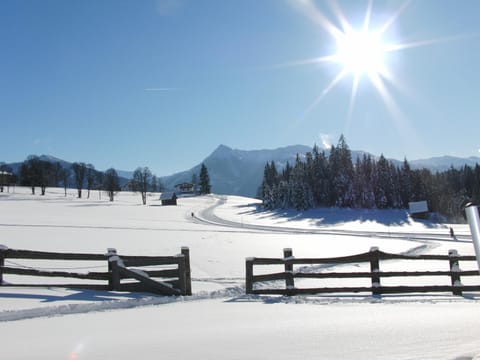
x,y
207,216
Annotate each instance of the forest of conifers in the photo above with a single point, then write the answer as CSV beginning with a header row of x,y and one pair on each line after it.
x,y
318,180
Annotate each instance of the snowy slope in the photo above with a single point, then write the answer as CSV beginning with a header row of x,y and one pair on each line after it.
x,y
219,321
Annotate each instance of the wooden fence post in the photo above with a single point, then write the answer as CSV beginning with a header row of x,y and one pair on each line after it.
x,y
249,275
115,276
3,250
188,274
454,269
182,280
289,279
374,270
111,252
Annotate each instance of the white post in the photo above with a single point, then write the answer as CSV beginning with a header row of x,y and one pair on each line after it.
x,y
474,222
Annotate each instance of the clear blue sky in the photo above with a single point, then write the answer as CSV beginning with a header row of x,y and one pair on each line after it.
x,y
129,83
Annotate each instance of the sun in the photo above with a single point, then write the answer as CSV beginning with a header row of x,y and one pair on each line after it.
x,y
361,53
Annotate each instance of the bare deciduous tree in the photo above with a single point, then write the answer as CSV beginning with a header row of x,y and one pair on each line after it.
x,y
79,170
90,178
111,183
141,181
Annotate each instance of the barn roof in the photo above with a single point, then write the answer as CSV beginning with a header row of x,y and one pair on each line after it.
x,y
169,195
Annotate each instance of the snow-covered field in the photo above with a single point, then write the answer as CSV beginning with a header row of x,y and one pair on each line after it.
x,y
219,321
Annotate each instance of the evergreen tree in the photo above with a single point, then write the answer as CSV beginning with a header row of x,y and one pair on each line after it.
x,y
270,181
283,195
319,180
476,185
298,185
381,185
320,174
204,181
405,184
342,174
365,178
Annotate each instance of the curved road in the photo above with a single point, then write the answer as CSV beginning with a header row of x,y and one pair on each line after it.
x,y
207,216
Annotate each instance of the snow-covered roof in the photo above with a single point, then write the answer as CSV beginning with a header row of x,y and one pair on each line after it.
x,y
167,195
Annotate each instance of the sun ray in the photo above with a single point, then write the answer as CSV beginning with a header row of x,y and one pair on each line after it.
x,y
368,13
309,7
392,19
387,98
404,129
325,91
341,18
318,60
421,43
353,96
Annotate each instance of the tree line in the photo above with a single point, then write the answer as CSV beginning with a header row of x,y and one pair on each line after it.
x,y
35,172
320,180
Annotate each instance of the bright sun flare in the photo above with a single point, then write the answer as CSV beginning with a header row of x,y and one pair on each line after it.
x,y
361,53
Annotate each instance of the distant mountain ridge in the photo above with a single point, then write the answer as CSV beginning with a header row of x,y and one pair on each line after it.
x,y
237,172
240,172
442,163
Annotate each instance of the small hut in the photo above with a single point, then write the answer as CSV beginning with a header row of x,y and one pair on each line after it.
x,y
168,198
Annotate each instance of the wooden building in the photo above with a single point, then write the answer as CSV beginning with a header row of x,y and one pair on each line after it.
x,y
168,198
185,188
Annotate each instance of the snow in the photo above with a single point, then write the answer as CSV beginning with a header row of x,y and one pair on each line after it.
x,y
219,320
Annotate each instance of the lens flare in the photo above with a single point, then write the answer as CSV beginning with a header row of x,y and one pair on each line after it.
x,y
362,54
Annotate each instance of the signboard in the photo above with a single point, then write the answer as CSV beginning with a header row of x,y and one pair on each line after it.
x,y
416,207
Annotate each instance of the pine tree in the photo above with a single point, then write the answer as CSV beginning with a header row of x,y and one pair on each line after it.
x,y
405,184
476,185
320,188
205,187
382,185
342,174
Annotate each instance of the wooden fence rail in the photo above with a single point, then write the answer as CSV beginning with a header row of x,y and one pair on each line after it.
x,y
373,258
175,280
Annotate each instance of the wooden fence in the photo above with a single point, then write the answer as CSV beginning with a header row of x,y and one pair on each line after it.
x,y
176,279
373,258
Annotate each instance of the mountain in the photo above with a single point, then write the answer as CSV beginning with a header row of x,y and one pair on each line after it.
x,y
240,172
443,163
237,172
